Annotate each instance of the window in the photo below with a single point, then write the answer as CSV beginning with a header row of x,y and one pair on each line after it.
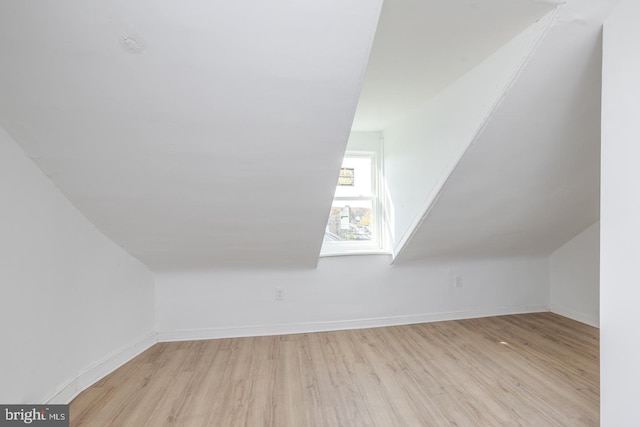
x,y
355,220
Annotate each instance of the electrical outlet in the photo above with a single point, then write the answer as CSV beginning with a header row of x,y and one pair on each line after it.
x,y
458,281
279,294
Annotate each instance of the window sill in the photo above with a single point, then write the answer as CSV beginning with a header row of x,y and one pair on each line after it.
x,y
346,252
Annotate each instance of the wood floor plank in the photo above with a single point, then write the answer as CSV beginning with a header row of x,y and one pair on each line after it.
x,y
522,370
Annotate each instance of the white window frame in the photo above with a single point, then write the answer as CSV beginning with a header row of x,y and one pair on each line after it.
x,y
379,242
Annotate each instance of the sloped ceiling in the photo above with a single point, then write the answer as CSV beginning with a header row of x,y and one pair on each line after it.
x,y
530,181
422,46
202,134
192,133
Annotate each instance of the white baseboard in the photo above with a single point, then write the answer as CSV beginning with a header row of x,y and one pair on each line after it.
x,y
299,328
580,317
93,374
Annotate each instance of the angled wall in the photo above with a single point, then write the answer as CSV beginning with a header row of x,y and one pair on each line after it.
x,y
620,218
74,305
421,150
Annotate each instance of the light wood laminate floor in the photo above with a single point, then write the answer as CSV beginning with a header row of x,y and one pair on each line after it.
x,y
532,369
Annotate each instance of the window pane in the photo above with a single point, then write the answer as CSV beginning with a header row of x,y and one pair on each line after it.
x,y
355,177
349,220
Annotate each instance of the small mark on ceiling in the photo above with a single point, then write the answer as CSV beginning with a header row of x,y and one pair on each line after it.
x,y
131,44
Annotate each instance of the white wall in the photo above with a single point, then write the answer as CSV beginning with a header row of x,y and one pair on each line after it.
x,y
365,141
422,149
620,219
74,305
344,292
575,277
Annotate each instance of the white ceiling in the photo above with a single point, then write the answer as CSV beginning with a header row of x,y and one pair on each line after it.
x,y
201,134
423,46
530,181
193,133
